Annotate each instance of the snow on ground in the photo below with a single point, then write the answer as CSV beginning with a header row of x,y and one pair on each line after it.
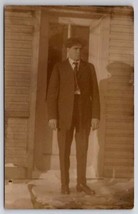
x,y
44,193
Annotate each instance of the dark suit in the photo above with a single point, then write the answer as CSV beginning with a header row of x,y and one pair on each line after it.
x,y
64,106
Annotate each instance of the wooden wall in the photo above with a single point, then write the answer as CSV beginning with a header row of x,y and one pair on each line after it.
x,y
20,34
119,130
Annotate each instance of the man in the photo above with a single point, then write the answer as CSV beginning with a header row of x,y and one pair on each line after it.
x,y
73,106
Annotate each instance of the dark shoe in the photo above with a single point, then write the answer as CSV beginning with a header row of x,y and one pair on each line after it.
x,y
65,190
85,188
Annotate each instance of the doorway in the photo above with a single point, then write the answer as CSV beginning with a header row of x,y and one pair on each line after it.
x,y
53,35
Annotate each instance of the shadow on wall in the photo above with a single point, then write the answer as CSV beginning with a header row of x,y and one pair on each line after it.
x,y
116,97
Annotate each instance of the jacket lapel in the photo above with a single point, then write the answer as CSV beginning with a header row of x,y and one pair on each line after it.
x,y
82,70
69,68
68,73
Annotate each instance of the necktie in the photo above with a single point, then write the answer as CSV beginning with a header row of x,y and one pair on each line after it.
x,y
75,76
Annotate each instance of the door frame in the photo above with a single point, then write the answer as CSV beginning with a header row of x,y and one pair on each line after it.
x,y
97,56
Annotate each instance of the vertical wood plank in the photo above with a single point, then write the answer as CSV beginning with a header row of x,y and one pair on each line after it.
x,y
43,136
98,55
33,91
104,53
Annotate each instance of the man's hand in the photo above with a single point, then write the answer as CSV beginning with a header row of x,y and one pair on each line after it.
x,y
95,124
52,123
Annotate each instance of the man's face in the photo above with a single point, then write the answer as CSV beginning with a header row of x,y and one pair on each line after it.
x,y
74,52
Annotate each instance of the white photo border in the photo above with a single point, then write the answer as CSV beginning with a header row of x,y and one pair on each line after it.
x,y
134,4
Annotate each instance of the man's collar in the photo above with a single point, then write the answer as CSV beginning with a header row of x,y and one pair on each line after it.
x,y
71,61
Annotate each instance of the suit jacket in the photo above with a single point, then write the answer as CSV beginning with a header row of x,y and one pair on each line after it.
x,y
60,98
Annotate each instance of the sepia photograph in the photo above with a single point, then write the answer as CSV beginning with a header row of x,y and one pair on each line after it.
x,y
69,107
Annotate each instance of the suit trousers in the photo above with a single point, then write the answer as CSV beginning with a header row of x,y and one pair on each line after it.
x,y
65,138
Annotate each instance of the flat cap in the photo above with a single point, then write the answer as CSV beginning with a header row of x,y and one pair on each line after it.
x,y
74,41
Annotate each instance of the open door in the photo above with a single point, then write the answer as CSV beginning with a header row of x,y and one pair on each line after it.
x,y
53,35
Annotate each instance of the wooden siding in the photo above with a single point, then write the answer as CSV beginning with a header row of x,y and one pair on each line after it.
x,y
119,134
19,52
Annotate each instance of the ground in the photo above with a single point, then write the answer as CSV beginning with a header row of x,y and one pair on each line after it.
x,y
44,193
